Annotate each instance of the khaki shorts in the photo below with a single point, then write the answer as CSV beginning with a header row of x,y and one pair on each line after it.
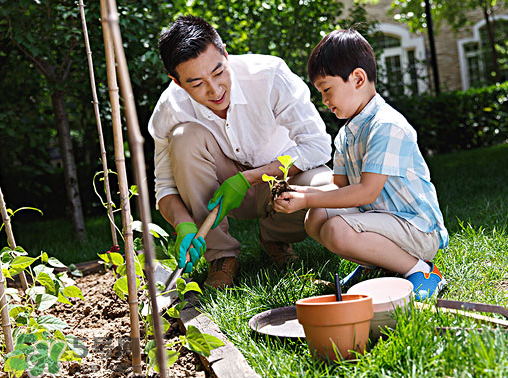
x,y
419,244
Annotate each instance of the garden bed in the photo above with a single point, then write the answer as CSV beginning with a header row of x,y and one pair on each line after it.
x,y
102,324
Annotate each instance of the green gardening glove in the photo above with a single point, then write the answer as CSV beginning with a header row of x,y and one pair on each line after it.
x,y
229,196
185,237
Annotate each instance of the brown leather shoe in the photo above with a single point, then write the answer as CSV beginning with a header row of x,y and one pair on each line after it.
x,y
281,253
222,272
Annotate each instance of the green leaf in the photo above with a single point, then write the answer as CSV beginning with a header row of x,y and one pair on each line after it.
x,y
171,356
46,281
192,286
51,323
169,264
6,273
45,301
180,285
63,299
173,313
44,257
267,178
75,344
149,346
121,270
156,230
120,287
14,311
16,365
73,292
54,262
138,268
138,244
20,263
105,257
213,342
116,258
196,341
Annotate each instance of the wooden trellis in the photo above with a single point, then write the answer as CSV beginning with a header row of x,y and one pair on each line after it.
x,y
115,54
122,184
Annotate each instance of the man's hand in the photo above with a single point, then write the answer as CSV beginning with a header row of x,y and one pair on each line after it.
x,y
185,236
289,202
229,196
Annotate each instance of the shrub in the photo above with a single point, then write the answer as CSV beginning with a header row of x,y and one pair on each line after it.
x,y
451,121
459,120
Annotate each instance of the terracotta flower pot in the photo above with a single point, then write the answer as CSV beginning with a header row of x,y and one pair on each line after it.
x,y
344,324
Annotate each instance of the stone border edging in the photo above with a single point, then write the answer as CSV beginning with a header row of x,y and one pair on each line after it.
x,y
226,361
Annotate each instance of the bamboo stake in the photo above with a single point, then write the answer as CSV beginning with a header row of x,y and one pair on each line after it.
x,y
124,189
99,125
136,143
10,236
6,320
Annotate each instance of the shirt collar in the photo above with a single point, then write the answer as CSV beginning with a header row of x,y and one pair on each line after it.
x,y
357,122
236,97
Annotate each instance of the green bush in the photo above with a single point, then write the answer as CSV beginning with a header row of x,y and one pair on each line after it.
x,y
458,120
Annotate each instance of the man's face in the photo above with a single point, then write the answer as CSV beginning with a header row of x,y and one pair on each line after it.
x,y
340,96
207,79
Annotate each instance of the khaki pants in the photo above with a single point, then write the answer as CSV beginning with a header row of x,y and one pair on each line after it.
x,y
419,244
199,167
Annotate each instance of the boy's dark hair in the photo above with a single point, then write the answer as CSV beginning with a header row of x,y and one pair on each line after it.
x,y
339,53
185,39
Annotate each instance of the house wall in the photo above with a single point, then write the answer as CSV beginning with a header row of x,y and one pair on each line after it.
x,y
446,42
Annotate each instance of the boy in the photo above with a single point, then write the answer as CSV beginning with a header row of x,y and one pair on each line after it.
x,y
382,209
218,127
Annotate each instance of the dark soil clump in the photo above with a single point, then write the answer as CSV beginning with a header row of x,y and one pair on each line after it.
x,y
278,188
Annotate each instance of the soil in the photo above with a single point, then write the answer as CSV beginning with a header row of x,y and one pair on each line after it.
x,y
102,324
278,188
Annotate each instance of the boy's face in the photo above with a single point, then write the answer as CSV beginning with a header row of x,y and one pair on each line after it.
x,y
341,97
207,80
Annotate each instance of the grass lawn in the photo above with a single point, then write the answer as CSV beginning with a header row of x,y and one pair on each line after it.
x,y
473,194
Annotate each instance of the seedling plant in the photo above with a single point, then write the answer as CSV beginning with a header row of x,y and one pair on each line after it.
x,y
39,339
277,187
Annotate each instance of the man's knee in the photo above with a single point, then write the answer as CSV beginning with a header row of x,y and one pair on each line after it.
x,y
189,137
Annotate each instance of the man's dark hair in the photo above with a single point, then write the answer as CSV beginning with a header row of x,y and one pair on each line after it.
x,y
185,39
339,53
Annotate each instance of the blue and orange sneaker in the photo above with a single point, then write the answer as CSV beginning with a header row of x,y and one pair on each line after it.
x,y
426,285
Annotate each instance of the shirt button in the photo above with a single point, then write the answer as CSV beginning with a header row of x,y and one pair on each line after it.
x,y
237,150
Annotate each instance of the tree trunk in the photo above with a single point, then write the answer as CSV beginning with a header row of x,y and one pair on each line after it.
x,y
69,164
492,41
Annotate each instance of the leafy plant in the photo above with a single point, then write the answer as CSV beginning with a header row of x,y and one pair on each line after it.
x,y
194,340
287,162
34,330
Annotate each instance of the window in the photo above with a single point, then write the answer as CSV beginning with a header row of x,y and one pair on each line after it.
x,y
399,68
475,54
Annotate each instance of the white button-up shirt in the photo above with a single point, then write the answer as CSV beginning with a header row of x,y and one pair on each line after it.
x,y
270,114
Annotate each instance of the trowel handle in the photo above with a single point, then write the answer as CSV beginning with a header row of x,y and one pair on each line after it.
x,y
205,227
203,230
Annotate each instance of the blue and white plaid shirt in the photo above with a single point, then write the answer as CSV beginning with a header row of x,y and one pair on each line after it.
x,y
380,140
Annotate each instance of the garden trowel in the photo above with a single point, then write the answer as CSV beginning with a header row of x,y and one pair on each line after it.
x,y
203,230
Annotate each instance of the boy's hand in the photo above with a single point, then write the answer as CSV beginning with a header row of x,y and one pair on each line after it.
x,y
185,237
289,202
229,196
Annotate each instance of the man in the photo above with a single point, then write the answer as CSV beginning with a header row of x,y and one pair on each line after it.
x,y
218,127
